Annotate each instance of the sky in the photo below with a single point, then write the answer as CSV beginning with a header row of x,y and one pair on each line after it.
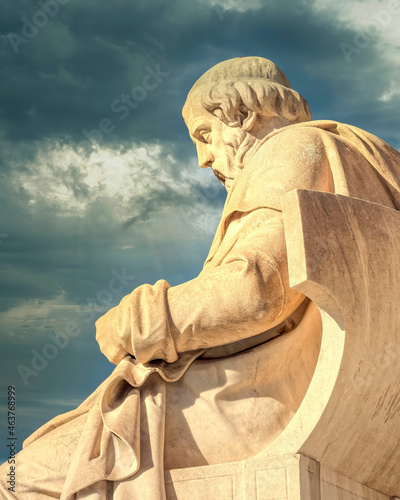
x,y
100,189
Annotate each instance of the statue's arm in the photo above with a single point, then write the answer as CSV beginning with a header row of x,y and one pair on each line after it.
x,y
242,295
243,291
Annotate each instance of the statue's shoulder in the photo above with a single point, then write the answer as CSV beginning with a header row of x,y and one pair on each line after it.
x,y
324,133
300,135
307,140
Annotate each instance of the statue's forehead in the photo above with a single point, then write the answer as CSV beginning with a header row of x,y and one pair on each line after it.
x,y
193,109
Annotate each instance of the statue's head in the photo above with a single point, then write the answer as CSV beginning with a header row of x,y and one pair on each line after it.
x,y
233,106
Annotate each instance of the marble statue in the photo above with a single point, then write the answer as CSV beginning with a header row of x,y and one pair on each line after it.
x,y
214,371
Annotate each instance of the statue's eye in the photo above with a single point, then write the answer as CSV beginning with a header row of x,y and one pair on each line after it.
x,y
205,136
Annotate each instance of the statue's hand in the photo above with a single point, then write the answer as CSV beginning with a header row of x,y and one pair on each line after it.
x,y
108,339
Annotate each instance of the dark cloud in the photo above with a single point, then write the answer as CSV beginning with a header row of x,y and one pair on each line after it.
x,y
67,77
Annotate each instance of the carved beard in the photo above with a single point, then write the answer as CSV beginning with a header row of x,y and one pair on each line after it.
x,y
245,142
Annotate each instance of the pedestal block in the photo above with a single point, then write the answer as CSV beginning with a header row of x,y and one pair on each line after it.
x,y
287,477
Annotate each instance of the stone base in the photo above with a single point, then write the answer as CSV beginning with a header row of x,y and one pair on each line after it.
x,y
288,477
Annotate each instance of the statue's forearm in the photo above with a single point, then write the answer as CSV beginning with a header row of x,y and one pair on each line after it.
x,y
243,295
243,292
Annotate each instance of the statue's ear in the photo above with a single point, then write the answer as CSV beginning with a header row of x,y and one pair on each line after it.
x,y
248,119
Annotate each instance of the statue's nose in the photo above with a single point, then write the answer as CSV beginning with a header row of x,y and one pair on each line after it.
x,y
204,154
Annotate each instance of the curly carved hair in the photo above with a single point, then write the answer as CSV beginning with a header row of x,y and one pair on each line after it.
x,y
266,99
250,83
